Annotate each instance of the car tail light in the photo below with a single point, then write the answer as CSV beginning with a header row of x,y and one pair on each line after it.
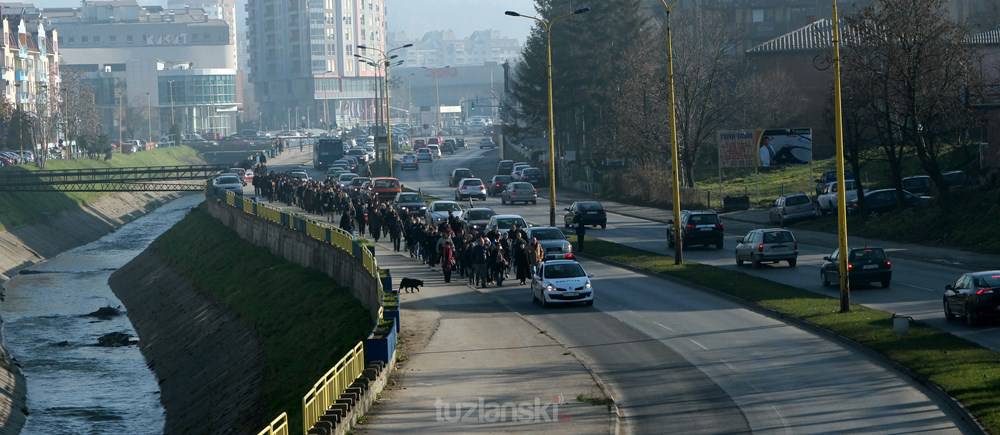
x,y
690,227
569,256
888,264
718,227
850,266
984,291
760,247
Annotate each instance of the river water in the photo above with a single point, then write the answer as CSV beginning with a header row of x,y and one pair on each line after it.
x,y
75,387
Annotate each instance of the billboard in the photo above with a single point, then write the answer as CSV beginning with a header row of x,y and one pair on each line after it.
x,y
784,146
736,149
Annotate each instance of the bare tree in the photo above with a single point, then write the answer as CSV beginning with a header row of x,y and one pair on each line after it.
x,y
640,109
916,66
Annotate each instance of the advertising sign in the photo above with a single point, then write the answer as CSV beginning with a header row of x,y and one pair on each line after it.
x,y
784,146
737,149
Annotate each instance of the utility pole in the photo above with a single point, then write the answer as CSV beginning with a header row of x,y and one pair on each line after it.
x,y
845,291
149,120
121,110
173,122
675,155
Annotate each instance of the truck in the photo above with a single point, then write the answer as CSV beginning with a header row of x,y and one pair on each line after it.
x,y
327,151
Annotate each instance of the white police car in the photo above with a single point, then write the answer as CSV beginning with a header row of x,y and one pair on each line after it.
x,y
561,282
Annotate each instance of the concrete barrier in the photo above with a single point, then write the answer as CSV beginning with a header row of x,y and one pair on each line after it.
x,y
300,248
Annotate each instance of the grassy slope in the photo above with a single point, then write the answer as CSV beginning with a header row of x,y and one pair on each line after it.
x,y
963,369
28,207
305,322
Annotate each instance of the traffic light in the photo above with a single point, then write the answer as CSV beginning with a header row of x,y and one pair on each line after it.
x,y
473,105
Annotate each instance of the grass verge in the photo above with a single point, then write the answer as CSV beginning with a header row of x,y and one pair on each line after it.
x,y
964,370
304,321
19,208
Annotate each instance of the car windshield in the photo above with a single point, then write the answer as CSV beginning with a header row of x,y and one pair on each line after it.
x,y
590,206
410,197
867,254
446,206
228,180
462,173
703,219
472,182
480,215
523,187
559,271
988,280
507,223
356,152
347,177
385,184
797,200
531,171
778,237
357,181
409,157
548,234
423,151
502,179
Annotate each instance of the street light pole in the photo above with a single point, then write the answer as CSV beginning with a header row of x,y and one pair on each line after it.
x,y
675,154
547,25
845,291
149,120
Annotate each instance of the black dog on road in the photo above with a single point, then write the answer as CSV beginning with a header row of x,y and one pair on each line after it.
x,y
412,284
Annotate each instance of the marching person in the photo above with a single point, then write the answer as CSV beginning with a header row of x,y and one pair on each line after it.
x,y
581,232
447,259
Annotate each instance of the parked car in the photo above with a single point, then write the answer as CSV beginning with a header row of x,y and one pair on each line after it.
x,y
974,296
553,241
917,184
792,207
470,188
561,281
830,177
767,246
504,167
955,179
519,192
588,212
884,200
498,183
409,203
409,161
502,223
700,227
827,200
458,174
438,211
864,265
424,155
533,176
477,218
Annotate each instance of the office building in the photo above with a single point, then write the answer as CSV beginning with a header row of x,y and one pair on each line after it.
x,y
302,63
441,48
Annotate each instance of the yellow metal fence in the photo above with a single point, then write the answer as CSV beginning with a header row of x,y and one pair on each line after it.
x,y
278,426
331,385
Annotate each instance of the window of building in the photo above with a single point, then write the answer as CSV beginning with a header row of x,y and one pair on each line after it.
x,y
84,39
128,38
112,38
758,15
97,38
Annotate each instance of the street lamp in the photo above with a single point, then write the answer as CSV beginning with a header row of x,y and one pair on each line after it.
x,y
435,72
845,291
149,120
675,154
547,25
386,58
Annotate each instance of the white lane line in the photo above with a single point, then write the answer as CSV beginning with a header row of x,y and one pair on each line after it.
x,y
664,326
918,287
728,365
702,346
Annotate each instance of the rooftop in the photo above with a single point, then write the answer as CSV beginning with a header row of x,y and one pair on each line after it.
x,y
818,34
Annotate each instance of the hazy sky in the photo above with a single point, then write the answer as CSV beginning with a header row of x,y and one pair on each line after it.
x,y
462,16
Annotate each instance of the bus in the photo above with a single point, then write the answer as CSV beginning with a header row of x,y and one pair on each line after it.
x,y
326,151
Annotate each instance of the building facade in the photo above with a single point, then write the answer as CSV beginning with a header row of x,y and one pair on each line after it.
x,y
31,74
302,63
122,50
441,48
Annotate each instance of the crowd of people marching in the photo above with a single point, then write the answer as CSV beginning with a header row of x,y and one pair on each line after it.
x,y
483,258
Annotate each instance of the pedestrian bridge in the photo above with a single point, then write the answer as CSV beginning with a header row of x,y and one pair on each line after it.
x,y
131,179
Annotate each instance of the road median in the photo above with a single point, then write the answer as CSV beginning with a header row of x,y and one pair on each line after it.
x,y
949,366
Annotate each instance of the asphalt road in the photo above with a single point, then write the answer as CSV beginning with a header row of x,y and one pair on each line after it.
x,y
680,360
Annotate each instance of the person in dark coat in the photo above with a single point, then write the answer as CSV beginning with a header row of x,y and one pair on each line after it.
x,y
581,233
522,262
395,231
361,216
447,260
479,261
375,218
346,220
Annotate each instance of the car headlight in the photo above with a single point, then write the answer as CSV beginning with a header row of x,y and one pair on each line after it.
x,y
550,288
587,285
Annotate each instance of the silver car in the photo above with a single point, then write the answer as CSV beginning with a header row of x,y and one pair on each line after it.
x,y
519,192
767,246
792,207
553,241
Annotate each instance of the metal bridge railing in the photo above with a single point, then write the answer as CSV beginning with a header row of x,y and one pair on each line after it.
x,y
331,385
279,426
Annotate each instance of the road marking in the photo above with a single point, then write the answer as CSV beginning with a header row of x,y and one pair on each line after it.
x,y
918,287
728,365
664,326
698,344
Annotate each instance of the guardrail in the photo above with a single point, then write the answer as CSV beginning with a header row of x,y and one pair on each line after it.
x,y
321,231
278,426
331,385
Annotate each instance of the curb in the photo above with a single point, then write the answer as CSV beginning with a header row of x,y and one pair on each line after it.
x,y
965,420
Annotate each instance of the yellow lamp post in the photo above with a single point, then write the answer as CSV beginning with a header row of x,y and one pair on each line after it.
x,y
675,154
838,128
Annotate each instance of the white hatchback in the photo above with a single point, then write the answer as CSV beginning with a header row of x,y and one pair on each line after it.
x,y
561,282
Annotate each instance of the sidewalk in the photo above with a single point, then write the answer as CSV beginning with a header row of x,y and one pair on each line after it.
x,y
467,364
740,222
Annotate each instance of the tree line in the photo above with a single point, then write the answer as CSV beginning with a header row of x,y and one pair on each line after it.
x,y
908,74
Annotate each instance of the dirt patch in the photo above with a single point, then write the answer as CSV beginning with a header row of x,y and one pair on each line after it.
x,y
208,363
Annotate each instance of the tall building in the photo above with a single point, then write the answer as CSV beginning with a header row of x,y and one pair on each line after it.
x,y
178,64
30,62
440,48
302,63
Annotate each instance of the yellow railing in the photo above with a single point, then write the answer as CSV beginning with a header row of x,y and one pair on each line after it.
x,y
278,426
231,198
269,214
331,385
315,231
342,240
247,206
